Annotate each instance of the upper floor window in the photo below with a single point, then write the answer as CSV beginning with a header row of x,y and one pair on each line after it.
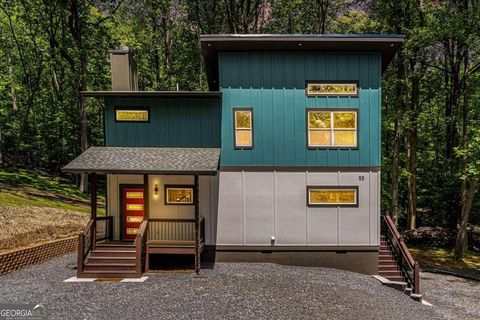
x,y
328,128
331,88
243,127
131,114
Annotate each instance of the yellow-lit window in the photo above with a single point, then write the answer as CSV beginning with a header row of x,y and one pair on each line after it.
x,y
178,195
132,231
134,219
134,195
332,128
134,206
332,89
243,128
328,196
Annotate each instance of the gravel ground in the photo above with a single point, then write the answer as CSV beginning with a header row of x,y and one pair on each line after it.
x,y
454,297
228,291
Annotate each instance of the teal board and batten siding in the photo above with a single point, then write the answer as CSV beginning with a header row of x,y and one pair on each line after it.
x,y
173,123
273,84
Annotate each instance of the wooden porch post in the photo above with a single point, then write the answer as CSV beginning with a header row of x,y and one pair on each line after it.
x,y
146,197
93,207
197,227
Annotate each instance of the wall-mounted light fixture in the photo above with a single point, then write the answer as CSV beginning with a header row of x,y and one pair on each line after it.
x,y
155,189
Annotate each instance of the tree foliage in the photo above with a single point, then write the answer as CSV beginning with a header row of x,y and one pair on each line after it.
x,y
431,93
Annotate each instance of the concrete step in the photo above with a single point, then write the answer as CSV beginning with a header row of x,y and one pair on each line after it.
x,y
388,274
395,278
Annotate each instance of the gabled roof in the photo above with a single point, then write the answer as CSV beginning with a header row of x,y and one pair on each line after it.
x,y
386,44
137,160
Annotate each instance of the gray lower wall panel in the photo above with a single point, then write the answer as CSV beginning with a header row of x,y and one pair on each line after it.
x,y
258,208
365,262
254,206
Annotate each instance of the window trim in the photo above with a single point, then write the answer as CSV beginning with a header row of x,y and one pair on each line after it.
x,y
331,110
333,205
235,147
356,82
179,186
133,108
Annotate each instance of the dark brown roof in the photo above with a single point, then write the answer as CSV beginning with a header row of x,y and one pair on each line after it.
x,y
105,160
154,94
386,44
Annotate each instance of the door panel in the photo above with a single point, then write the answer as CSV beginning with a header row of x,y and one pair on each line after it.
x,y
133,212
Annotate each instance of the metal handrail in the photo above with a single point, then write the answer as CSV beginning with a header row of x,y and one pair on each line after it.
x,y
408,265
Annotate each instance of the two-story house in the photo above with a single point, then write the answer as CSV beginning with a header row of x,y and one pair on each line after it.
x,y
278,162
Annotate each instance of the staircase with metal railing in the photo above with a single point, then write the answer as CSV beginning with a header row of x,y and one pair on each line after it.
x,y
395,261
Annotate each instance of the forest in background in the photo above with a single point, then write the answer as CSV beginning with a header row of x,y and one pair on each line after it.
x,y
51,50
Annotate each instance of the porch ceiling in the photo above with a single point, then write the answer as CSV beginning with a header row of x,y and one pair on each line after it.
x,y
135,160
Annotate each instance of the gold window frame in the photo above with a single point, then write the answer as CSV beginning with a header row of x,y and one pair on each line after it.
x,y
179,187
236,129
332,88
355,189
332,129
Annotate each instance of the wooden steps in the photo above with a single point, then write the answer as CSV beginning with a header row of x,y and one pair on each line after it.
x,y
110,261
387,265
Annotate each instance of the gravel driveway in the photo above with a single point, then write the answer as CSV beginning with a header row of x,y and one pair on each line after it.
x,y
228,291
455,297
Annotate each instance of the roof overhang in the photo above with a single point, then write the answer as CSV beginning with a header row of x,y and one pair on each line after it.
x,y
386,44
136,160
154,94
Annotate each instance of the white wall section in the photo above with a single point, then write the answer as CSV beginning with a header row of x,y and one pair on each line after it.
x,y
253,206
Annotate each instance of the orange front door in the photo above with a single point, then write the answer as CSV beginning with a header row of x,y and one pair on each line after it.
x,y
132,212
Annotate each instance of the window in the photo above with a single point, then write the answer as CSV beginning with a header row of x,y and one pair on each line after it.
x,y
132,114
325,89
179,194
243,124
328,128
323,196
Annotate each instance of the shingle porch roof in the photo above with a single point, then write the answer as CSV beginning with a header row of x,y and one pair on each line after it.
x,y
105,160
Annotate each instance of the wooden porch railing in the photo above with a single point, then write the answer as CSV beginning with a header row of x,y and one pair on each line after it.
x,y
86,238
140,243
175,229
408,265
96,230
104,228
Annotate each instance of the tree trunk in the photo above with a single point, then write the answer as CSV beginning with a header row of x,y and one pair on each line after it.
x,y
468,196
396,142
76,26
12,83
412,147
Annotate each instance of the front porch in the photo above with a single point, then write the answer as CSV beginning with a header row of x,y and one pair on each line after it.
x,y
121,244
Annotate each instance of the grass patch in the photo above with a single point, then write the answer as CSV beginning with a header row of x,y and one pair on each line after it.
x,y
20,187
443,258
